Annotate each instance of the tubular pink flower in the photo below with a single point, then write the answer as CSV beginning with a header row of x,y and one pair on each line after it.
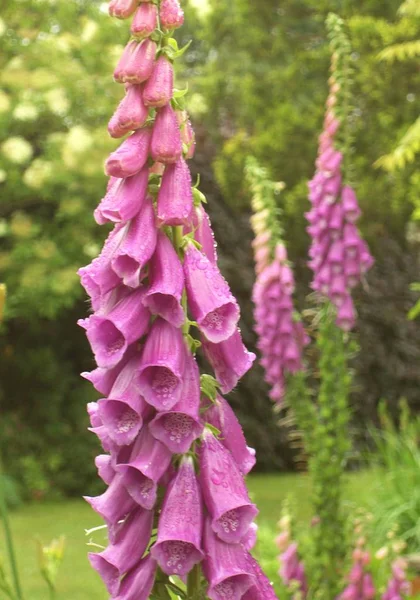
x,y
159,88
398,586
180,426
110,335
124,199
136,63
224,491
171,14
336,242
145,20
131,156
148,461
178,544
131,113
175,200
166,145
281,337
129,547
122,9
221,416
162,366
166,283
209,297
122,412
229,359
226,567
137,247
113,505
98,278
138,583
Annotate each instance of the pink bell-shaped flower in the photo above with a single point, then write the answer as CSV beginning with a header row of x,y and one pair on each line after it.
x,y
178,544
145,20
171,14
162,366
175,199
131,156
210,300
131,113
224,491
166,283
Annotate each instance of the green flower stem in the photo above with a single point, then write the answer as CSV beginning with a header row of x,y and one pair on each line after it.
x,y
194,583
9,541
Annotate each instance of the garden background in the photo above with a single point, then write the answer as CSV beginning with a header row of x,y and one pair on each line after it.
x,y
257,74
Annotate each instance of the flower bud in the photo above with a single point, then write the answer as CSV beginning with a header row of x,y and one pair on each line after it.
x,y
159,88
171,14
145,20
136,63
166,145
130,114
122,9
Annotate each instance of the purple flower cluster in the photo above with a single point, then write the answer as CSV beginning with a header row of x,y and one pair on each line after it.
x,y
292,570
339,256
360,583
281,338
156,271
398,586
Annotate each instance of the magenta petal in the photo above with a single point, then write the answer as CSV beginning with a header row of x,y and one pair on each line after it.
x,y
123,411
180,426
137,247
159,88
229,359
139,582
221,415
166,276
263,589
124,199
224,491
203,233
103,379
110,335
226,568
129,547
131,156
130,114
113,505
210,300
162,366
178,544
166,145
148,462
106,471
98,278
175,199
250,538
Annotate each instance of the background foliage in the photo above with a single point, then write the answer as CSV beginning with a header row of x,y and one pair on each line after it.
x,y
258,79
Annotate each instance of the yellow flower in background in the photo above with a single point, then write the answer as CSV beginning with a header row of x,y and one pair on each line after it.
x,y
89,31
78,141
37,173
3,27
25,112
3,175
17,150
4,102
57,101
21,225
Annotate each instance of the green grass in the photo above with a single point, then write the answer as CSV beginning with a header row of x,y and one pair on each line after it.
x,y
77,581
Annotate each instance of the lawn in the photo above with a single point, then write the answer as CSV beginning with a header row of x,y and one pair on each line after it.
x,y
77,581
